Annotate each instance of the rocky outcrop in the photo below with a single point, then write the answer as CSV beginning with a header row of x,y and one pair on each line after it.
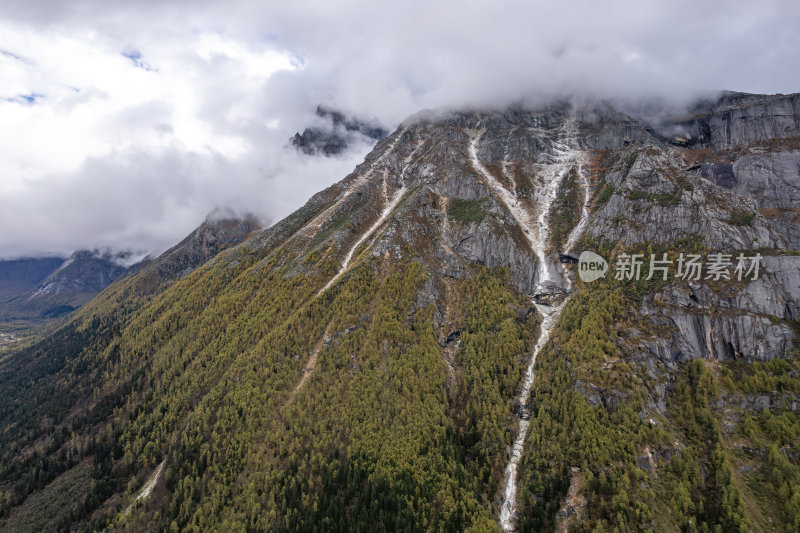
x,y
730,120
735,200
335,133
656,200
739,119
770,178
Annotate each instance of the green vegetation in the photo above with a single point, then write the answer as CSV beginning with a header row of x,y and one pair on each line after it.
x,y
55,506
684,183
637,195
567,430
204,375
773,433
467,211
606,194
682,471
742,218
704,498
631,158
564,211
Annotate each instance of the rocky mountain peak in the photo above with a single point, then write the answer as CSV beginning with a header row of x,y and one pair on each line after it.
x,y
335,133
83,271
515,188
221,229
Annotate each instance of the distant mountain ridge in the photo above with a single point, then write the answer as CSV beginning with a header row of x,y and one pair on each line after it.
x,y
61,285
20,275
83,272
45,288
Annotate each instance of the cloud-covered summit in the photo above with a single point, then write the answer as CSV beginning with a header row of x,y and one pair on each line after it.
x,y
122,124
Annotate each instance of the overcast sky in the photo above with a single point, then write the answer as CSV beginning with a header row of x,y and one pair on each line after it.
x,y
122,124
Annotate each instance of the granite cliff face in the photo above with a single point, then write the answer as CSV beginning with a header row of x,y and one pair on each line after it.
x,y
729,177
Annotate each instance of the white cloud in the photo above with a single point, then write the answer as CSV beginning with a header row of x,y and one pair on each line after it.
x,y
146,115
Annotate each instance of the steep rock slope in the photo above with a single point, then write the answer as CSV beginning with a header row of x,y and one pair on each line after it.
x,y
407,352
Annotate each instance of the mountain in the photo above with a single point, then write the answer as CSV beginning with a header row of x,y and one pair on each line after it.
x,y
77,280
39,290
335,134
417,349
18,276
220,230
51,287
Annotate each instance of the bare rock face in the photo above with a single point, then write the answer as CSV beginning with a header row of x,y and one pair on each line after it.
x,y
728,176
335,133
741,196
770,178
732,120
740,119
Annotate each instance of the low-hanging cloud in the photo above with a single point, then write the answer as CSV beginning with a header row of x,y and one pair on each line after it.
x,y
123,124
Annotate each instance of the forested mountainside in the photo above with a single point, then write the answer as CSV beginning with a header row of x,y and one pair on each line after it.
x,y
408,352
